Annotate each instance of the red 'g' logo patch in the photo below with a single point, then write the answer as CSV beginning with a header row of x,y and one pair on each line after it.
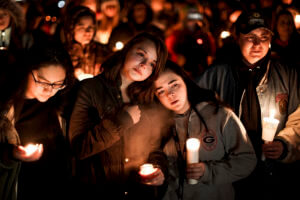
x,y
282,100
209,140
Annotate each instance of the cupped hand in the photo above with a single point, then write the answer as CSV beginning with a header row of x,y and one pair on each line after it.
x,y
157,178
28,153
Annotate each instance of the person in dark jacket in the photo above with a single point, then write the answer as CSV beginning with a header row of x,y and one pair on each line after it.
x,y
112,132
12,153
258,87
32,129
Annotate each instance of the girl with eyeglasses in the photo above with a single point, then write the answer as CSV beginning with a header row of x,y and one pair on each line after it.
x,y
34,117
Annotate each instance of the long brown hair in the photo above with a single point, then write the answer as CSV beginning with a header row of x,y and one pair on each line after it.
x,y
72,18
137,91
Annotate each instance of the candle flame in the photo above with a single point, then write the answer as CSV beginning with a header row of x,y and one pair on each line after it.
x,y
147,169
272,113
297,20
30,148
193,144
224,34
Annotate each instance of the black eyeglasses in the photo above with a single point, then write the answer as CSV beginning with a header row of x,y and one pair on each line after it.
x,y
45,85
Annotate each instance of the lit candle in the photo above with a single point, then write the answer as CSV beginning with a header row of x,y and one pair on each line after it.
x,y
31,148
192,147
269,127
147,169
297,21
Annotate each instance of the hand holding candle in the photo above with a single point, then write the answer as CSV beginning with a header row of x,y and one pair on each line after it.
x,y
273,150
269,127
192,147
151,175
28,153
147,169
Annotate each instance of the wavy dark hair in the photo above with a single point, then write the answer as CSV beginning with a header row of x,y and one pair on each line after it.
x,y
43,55
137,90
195,93
50,54
290,16
149,12
74,15
16,80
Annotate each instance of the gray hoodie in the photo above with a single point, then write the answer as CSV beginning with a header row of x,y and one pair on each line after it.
x,y
225,149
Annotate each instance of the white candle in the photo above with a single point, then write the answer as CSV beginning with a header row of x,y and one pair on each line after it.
x,y
297,21
147,169
269,127
192,148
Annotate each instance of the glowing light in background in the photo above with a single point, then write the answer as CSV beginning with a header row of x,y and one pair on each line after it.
x,y
48,18
233,17
53,19
119,45
199,41
157,5
61,4
297,21
224,34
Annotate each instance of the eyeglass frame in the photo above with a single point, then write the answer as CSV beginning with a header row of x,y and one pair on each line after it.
x,y
48,85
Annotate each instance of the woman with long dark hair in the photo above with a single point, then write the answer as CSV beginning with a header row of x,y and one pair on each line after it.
x,y
112,131
32,131
226,153
286,39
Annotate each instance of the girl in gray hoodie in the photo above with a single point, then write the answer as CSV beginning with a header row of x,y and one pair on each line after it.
x,y
226,153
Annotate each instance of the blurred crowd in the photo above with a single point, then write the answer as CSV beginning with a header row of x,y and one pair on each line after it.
x,y
197,33
100,87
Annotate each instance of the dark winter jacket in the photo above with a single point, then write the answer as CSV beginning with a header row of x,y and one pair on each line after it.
x,y
9,167
278,89
40,123
109,148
